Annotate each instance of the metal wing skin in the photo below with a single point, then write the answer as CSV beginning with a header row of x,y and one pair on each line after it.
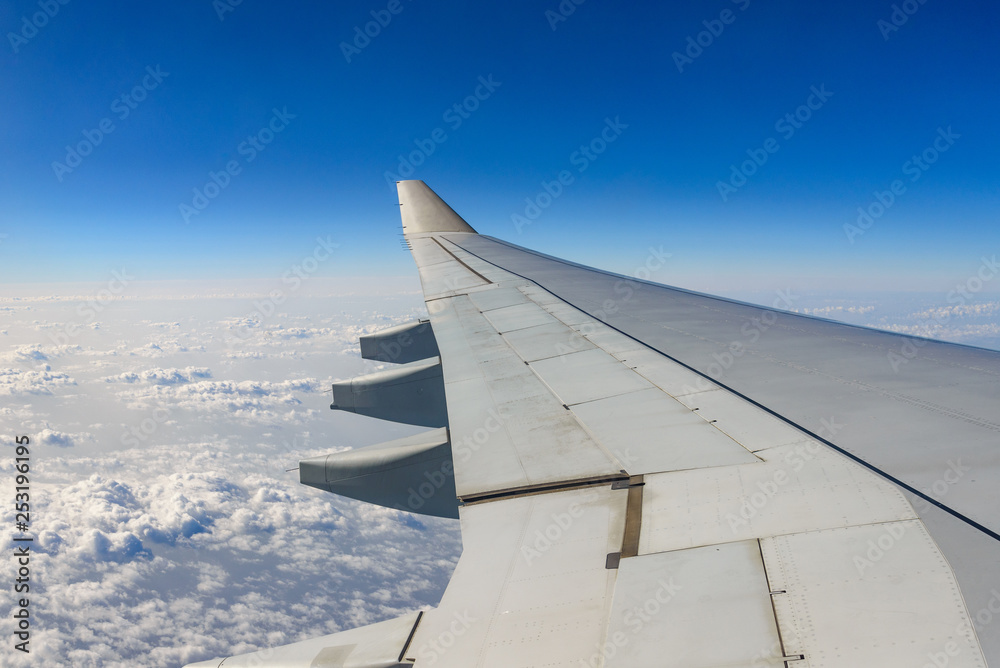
x,y
647,476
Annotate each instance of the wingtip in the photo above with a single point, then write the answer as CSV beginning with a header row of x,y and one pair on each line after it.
x,y
423,211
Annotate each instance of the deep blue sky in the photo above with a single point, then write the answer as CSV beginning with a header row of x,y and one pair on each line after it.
x,y
656,185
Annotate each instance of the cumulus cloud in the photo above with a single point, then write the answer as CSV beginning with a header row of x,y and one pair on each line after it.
x,y
250,399
37,355
163,348
188,539
959,334
162,376
976,322
20,382
835,310
25,354
945,313
60,439
162,569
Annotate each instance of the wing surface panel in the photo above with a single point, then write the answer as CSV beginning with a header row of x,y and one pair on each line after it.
x,y
871,584
804,487
647,431
909,405
753,427
490,300
514,374
440,274
507,428
702,608
531,587
586,375
544,341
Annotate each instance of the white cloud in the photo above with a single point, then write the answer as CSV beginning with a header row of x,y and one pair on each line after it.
x,y
248,399
835,310
25,355
20,382
960,334
162,376
176,567
60,439
190,540
946,313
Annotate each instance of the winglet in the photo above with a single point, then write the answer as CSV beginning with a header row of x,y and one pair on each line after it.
x,y
423,211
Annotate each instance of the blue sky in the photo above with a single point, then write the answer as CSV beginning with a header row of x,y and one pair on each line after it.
x,y
888,92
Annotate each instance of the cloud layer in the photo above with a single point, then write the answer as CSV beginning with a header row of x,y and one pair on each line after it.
x,y
167,528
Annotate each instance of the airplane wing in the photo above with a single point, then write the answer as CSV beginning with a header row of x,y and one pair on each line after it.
x,y
648,476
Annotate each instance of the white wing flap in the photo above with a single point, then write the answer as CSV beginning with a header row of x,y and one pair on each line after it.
x,y
374,646
873,595
706,607
531,588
